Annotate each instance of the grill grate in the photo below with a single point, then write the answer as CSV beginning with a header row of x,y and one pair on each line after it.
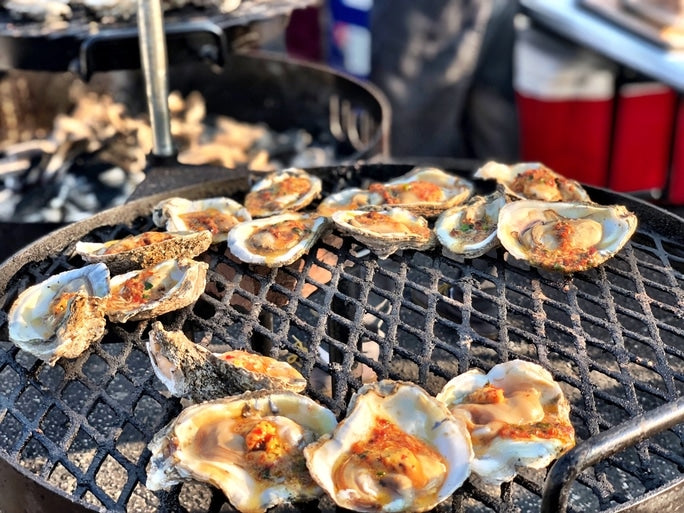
x,y
612,336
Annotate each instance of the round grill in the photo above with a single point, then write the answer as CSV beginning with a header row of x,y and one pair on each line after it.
x,y
611,336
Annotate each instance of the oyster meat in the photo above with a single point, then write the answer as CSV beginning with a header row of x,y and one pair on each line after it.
x,y
386,231
218,215
193,371
61,316
288,190
145,249
425,191
170,285
277,240
470,230
398,449
517,416
535,181
249,446
349,199
566,237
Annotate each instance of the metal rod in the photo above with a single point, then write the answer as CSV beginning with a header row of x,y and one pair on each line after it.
x,y
155,66
601,446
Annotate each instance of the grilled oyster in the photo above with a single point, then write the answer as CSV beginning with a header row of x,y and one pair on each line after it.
x,y
218,215
250,446
533,180
398,449
61,316
386,231
144,250
167,286
470,230
425,191
349,199
193,371
288,190
517,416
565,237
277,240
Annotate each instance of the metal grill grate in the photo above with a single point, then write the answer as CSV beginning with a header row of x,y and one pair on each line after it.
x,y
613,337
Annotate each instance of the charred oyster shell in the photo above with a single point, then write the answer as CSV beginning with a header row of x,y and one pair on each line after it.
x,y
249,446
61,316
288,190
193,371
349,199
566,237
144,294
144,250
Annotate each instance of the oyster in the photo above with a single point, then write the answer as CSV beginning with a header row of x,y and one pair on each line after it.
x,y
218,215
533,180
61,316
167,286
386,231
193,371
470,230
565,237
144,250
349,199
398,449
250,446
283,191
425,191
277,240
517,416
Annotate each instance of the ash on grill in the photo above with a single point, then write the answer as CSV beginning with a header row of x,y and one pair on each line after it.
x,y
95,156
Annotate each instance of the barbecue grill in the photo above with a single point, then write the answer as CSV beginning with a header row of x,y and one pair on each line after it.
x,y
612,337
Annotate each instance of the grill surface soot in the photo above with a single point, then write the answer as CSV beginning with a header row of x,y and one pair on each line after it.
x,y
612,337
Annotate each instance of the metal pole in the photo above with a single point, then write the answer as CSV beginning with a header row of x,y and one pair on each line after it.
x,y
154,65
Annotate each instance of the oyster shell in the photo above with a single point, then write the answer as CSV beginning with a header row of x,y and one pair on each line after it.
x,y
470,230
277,240
425,191
218,215
517,416
167,286
398,449
288,190
386,231
250,446
533,180
144,250
349,199
193,371
61,316
565,237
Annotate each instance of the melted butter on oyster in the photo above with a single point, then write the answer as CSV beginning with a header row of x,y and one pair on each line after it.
x,y
250,446
398,449
516,414
288,190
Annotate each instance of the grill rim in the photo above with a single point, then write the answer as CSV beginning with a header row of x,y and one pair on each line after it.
x,y
238,183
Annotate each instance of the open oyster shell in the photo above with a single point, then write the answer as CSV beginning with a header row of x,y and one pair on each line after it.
x,y
61,316
218,215
470,230
349,199
193,371
144,250
249,446
534,181
425,191
517,416
565,237
170,285
277,240
398,449
386,231
288,190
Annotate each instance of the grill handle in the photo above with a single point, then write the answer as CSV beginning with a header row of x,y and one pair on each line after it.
x,y
155,71
599,447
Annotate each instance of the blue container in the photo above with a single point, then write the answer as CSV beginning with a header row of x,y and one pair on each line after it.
x,y
349,36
